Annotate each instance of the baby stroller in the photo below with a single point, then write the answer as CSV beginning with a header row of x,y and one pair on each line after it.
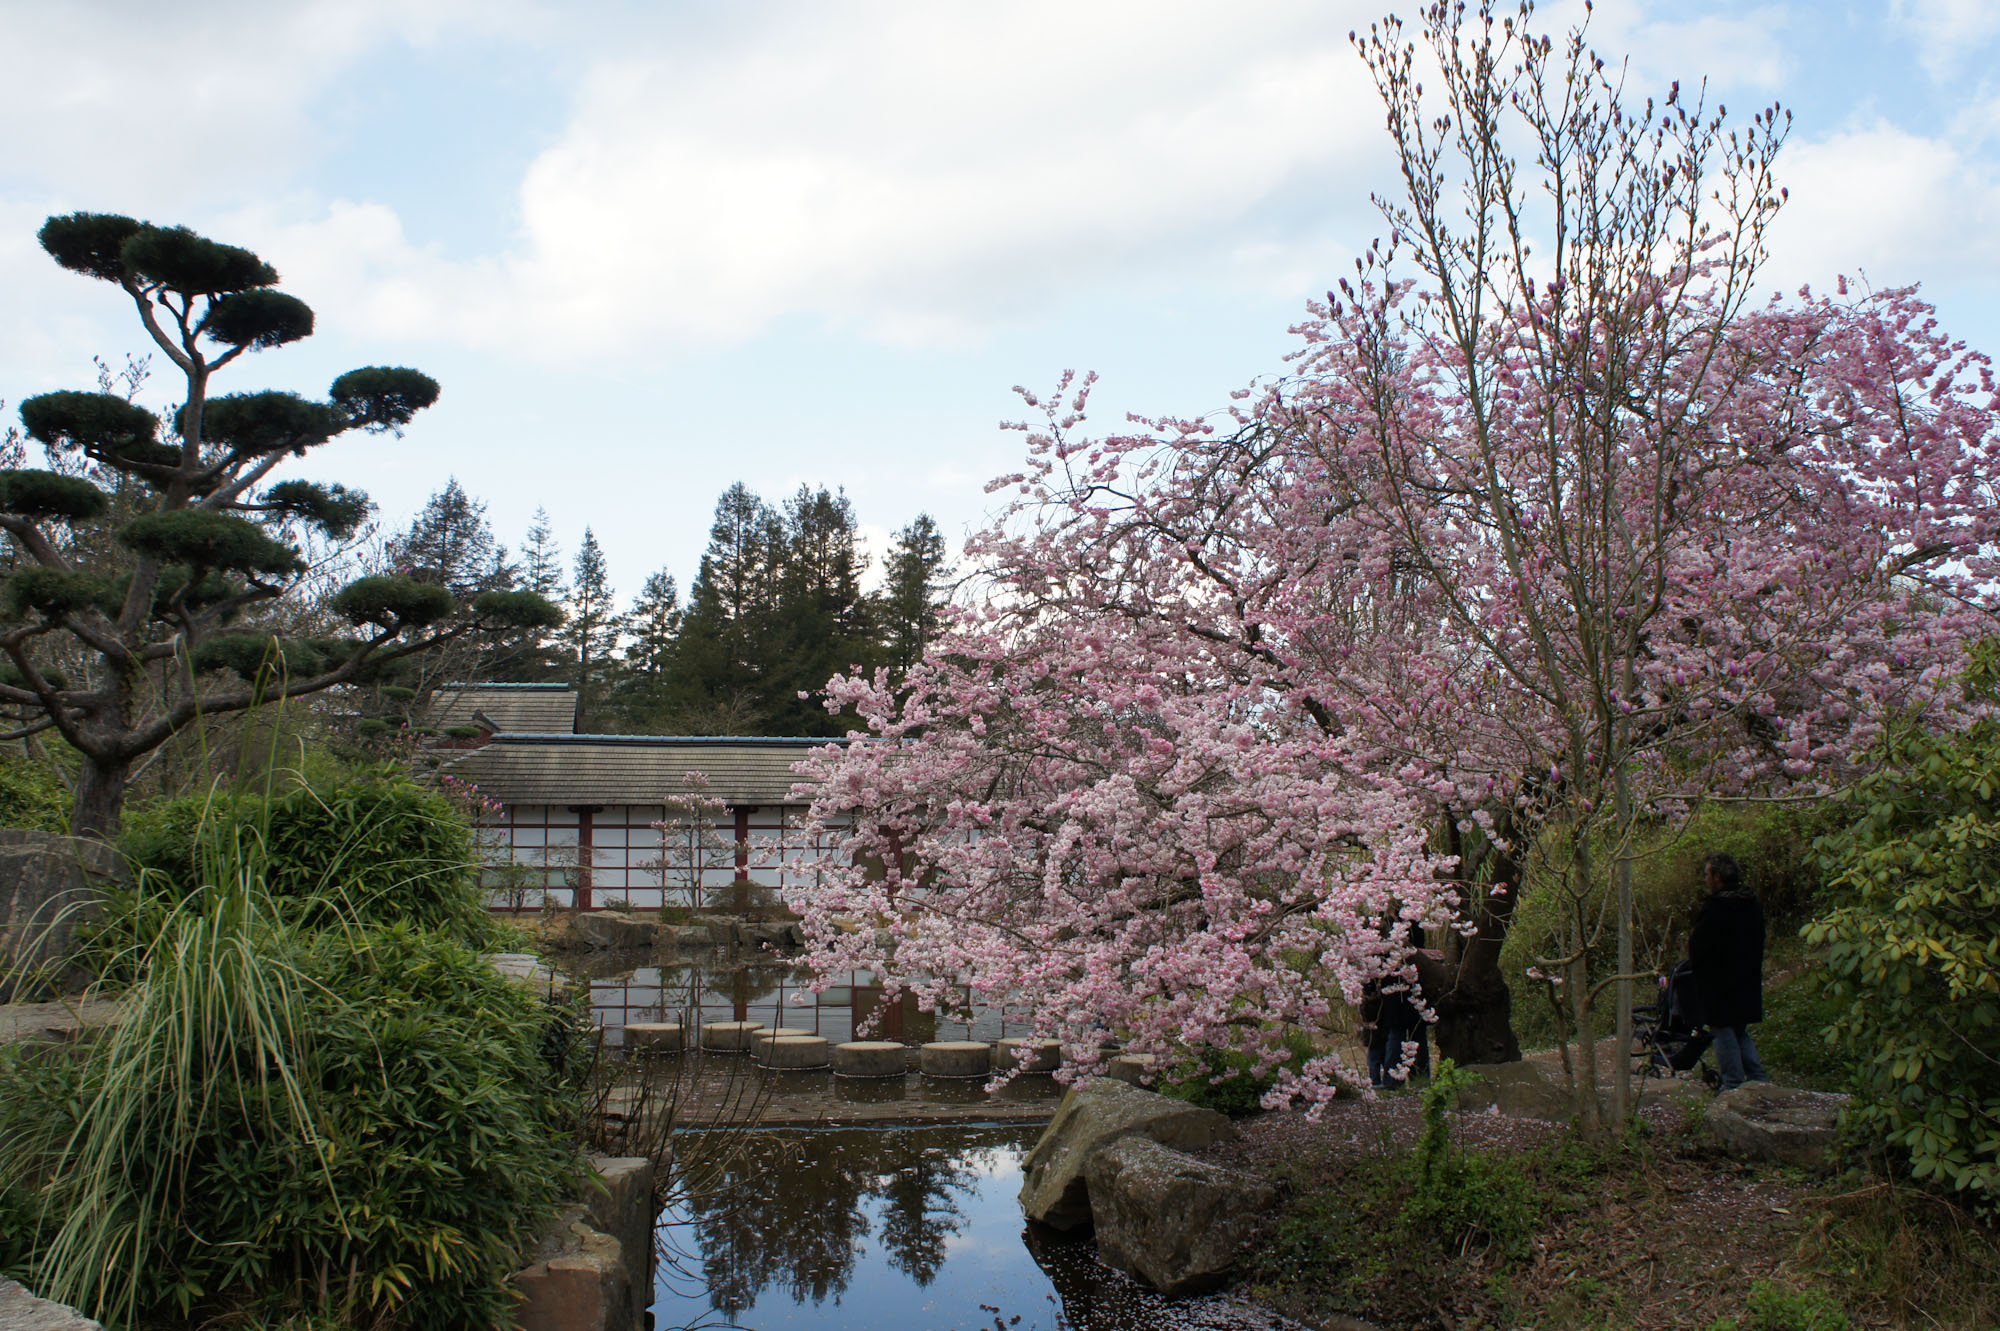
x,y
1667,1036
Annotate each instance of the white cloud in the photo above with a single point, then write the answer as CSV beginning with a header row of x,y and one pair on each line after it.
x,y
163,106
1948,34
1890,202
915,174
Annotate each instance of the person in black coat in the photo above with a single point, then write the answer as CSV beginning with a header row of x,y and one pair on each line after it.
x,y
1726,948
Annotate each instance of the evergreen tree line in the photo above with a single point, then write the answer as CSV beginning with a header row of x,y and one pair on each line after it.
x,y
776,609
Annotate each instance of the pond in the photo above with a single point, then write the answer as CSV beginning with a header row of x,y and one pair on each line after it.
x,y
910,1228
881,1203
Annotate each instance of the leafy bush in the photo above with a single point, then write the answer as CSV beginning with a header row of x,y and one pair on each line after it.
x,y
1792,1041
353,1123
377,847
1386,1234
1776,1308
1226,1080
1914,880
1773,843
32,795
1460,1197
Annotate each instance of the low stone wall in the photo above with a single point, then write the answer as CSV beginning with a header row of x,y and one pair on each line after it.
x,y
48,885
593,1270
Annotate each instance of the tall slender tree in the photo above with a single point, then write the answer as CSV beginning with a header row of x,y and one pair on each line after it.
x,y
450,542
913,594
590,634
173,618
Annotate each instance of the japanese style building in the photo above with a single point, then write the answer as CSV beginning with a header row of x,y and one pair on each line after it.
x,y
574,820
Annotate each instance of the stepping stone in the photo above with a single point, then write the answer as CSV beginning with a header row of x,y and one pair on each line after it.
x,y
653,1037
792,1051
778,1032
1132,1069
868,1058
956,1058
729,1037
1028,1055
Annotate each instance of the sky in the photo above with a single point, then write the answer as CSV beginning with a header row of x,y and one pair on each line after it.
x,y
650,249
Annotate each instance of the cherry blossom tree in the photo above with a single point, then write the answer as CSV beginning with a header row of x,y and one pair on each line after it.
x,y
1555,527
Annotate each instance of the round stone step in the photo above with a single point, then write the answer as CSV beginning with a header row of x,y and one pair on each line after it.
x,y
792,1051
868,1058
729,1037
956,1058
653,1037
778,1032
1132,1068
1028,1055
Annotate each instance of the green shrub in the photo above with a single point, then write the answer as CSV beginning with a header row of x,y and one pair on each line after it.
x,y
354,1123
1458,1197
1914,882
32,795
1776,1308
1773,843
1792,1041
1226,1080
375,847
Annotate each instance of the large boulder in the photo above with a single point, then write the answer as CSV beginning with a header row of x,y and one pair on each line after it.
x,y
614,929
22,1311
48,885
779,936
1054,1189
1519,1090
1781,1124
1173,1221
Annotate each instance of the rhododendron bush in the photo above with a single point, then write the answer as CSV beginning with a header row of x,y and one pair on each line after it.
x,y
1554,526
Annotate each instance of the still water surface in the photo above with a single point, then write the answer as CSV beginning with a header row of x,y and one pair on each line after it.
x,y
907,1228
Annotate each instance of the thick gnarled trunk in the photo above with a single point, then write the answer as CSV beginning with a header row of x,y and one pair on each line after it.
x,y
100,797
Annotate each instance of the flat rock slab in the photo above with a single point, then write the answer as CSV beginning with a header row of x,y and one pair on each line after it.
x,y
614,929
1519,1090
956,1058
1781,1124
1054,1189
22,1311
62,1023
1175,1222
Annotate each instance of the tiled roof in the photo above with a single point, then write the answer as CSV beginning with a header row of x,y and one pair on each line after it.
x,y
536,708
631,769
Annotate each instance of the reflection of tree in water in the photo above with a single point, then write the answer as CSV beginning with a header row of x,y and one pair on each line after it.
x,y
919,1210
789,1209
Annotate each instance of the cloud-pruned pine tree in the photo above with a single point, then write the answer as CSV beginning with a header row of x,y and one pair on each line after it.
x,y
121,624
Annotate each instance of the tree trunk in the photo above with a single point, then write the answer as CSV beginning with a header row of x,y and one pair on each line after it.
x,y
1475,1008
100,797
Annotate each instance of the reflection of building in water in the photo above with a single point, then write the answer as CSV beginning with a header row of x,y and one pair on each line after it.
x,y
699,990
575,818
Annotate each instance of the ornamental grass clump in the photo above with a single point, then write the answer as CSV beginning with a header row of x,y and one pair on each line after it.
x,y
352,1121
